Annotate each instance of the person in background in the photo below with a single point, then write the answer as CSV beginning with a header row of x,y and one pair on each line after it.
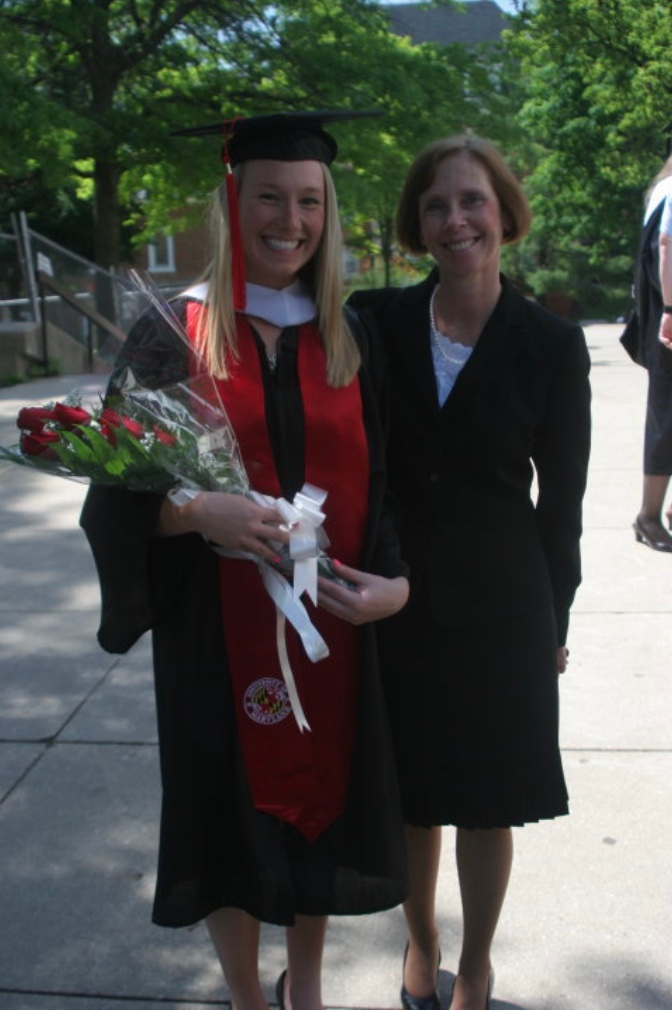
x,y
665,260
489,390
262,821
654,303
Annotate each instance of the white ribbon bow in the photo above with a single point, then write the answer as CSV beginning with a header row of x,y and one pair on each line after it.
x,y
303,518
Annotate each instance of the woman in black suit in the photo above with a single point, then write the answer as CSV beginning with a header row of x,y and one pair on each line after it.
x,y
489,391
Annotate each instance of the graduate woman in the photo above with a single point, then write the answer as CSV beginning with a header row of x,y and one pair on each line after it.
x,y
488,389
262,822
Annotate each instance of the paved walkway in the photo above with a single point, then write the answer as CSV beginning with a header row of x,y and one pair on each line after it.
x,y
588,920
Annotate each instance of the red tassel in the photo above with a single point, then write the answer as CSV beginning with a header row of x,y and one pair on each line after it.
x,y
237,258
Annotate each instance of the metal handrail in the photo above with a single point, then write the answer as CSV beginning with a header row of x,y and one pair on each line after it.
x,y
45,281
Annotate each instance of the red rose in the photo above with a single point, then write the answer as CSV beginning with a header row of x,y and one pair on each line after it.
x,y
110,421
133,427
163,436
70,417
37,444
34,418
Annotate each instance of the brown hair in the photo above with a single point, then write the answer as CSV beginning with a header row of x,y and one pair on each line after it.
x,y
515,209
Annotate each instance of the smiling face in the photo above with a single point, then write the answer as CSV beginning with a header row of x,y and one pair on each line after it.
x,y
461,220
282,213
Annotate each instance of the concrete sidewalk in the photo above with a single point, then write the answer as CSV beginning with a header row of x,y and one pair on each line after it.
x,y
588,919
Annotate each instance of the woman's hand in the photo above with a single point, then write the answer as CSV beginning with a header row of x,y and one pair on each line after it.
x,y
562,658
231,521
665,333
373,598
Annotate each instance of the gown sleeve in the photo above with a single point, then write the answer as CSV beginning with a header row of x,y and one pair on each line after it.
x,y
119,524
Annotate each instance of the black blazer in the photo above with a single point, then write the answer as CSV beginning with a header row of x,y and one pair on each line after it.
x,y
463,474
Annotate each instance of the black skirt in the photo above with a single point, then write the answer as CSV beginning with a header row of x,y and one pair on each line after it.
x,y
658,428
474,713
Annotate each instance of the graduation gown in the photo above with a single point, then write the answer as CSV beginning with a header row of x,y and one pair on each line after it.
x,y
216,849
469,664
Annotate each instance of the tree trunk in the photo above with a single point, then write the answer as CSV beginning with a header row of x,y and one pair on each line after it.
x,y
107,216
107,238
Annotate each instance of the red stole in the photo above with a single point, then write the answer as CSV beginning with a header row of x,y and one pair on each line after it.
x,y
301,778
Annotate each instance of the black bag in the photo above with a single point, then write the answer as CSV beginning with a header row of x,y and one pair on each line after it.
x,y
631,338
648,299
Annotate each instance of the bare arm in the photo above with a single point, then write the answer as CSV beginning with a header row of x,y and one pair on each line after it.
x,y
229,520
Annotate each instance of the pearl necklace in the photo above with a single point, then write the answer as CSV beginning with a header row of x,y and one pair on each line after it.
x,y
446,347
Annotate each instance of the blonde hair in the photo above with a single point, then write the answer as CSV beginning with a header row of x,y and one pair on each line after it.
x,y
323,275
515,209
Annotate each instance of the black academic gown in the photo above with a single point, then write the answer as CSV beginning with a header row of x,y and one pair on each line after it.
x,y
469,665
216,849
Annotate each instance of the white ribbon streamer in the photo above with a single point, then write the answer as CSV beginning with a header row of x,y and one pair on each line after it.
x,y
287,607
315,646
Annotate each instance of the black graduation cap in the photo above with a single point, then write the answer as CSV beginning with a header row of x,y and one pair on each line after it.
x,y
280,136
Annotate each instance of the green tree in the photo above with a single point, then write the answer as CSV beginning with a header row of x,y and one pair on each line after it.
x,y
432,91
598,79
352,60
90,85
93,88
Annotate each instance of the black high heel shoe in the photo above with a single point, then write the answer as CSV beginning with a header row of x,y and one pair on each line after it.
x,y
410,1002
488,995
280,990
655,536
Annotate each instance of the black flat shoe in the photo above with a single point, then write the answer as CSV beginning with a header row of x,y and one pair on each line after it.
x,y
411,1002
658,541
280,990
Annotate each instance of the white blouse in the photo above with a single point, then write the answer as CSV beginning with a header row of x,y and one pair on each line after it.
x,y
448,355
449,360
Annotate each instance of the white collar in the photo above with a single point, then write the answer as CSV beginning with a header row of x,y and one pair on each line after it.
x,y
288,306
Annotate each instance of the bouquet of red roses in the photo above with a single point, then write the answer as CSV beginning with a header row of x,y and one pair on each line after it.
x,y
146,440
174,439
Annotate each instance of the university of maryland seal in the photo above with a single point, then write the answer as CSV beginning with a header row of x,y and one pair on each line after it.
x,y
266,701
